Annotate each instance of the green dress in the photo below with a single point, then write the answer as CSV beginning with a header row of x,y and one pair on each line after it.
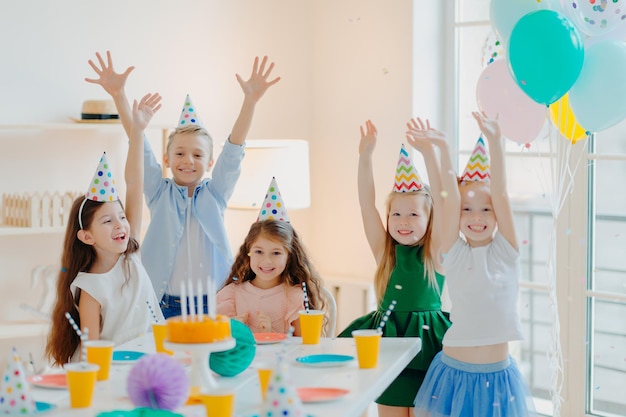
x,y
417,314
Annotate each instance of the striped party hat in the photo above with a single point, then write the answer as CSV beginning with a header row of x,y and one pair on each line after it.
x,y
273,207
477,168
188,116
407,177
102,186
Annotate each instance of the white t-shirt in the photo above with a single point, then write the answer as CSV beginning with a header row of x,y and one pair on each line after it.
x,y
123,305
483,285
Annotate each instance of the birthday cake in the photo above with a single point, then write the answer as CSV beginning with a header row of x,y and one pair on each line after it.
x,y
203,329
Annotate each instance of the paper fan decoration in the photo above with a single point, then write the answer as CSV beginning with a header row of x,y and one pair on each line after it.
x,y
407,179
16,397
158,381
477,168
102,186
273,207
188,116
282,398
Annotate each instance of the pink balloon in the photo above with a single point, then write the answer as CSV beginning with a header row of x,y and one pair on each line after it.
x,y
521,118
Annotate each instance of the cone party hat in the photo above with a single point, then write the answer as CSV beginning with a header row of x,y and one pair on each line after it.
x,y
102,186
273,207
477,168
16,397
188,116
407,178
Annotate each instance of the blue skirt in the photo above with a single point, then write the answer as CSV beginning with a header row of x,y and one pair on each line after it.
x,y
457,389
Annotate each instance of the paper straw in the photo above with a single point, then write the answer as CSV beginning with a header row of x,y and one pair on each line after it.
x,y
306,297
154,317
200,301
383,321
192,302
82,335
183,301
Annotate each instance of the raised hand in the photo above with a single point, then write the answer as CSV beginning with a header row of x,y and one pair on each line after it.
x,y
490,127
368,138
423,137
145,109
257,84
112,82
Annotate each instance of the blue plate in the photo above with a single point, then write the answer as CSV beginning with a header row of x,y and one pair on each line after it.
x,y
41,408
126,356
325,360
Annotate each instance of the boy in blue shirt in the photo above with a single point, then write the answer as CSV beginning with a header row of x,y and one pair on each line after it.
x,y
186,237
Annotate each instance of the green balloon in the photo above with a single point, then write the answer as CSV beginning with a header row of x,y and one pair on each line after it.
x,y
545,55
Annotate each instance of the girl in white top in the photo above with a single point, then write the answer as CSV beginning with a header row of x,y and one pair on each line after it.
x,y
102,283
474,375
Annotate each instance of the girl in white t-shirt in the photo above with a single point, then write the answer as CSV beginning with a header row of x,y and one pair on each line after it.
x,y
102,283
474,375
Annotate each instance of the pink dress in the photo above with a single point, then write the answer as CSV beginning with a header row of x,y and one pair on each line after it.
x,y
280,303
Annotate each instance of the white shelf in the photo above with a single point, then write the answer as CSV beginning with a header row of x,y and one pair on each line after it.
x,y
17,330
18,231
72,126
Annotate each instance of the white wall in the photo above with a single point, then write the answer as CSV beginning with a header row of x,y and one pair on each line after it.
x,y
341,62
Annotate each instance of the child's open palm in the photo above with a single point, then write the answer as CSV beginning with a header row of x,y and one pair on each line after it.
x,y
145,109
112,82
423,137
258,84
368,138
490,127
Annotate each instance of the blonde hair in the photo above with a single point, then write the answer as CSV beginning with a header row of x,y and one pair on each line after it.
x,y
388,260
188,130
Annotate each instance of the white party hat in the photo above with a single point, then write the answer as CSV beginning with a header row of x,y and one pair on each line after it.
x,y
188,116
16,397
273,207
407,178
282,398
102,186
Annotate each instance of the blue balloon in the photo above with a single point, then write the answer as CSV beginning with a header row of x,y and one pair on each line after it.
x,y
546,54
598,98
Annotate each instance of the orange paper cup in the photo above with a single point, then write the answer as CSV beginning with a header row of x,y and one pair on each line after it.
x,y
100,352
159,331
219,403
367,346
81,381
311,326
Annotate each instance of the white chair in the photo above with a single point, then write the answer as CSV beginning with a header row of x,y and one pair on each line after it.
x,y
330,328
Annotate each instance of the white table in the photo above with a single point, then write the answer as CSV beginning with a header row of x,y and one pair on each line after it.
x,y
364,385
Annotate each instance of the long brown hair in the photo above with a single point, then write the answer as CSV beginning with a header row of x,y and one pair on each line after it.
x,y
299,268
76,257
388,260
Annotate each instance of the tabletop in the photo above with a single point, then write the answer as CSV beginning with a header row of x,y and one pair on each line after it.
x,y
364,385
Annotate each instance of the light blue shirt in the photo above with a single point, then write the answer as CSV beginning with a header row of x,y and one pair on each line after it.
x,y
167,202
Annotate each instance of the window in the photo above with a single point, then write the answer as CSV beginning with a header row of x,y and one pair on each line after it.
x,y
583,252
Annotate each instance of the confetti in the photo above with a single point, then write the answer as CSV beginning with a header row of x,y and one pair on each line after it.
x,y
398,287
444,194
425,327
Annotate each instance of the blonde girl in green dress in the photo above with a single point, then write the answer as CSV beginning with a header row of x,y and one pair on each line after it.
x,y
408,271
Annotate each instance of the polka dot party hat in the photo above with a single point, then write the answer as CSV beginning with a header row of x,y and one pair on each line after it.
x,y
477,168
273,207
188,116
16,397
282,398
102,186
407,177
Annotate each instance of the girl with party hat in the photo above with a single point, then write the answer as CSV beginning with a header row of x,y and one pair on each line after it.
x,y
102,283
474,375
408,275
265,286
187,238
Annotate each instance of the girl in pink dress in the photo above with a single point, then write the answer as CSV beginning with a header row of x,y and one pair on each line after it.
x,y
264,289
